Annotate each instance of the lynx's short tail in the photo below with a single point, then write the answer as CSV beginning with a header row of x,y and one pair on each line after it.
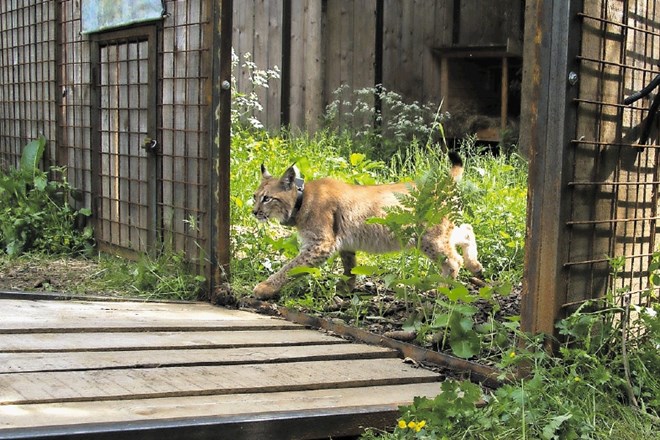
x,y
456,171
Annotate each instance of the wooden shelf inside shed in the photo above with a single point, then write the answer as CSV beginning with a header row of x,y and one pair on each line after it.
x,y
501,54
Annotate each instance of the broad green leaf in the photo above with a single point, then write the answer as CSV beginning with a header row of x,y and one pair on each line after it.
x,y
366,270
441,320
486,292
32,154
305,270
40,181
464,345
459,292
356,158
465,309
460,324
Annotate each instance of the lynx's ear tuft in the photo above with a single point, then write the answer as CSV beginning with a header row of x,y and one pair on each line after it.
x,y
289,177
264,172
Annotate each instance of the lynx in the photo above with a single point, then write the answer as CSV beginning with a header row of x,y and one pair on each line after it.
x,y
331,215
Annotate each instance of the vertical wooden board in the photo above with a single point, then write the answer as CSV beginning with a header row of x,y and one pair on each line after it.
x,y
638,201
591,164
483,23
395,70
346,47
297,97
364,38
273,106
363,74
392,28
406,73
260,51
245,42
238,29
431,27
313,65
332,52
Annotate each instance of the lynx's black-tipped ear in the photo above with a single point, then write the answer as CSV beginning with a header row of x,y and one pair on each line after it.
x,y
264,172
289,177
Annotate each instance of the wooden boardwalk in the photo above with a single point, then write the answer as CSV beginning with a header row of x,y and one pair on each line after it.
x,y
93,369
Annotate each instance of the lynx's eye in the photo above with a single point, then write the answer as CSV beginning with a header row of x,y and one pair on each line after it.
x,y
266,199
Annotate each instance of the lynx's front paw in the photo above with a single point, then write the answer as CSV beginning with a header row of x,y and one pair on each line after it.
x,y
265,290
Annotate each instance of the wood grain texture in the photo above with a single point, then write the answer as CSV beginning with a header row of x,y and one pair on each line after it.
x,y
22,416
87,368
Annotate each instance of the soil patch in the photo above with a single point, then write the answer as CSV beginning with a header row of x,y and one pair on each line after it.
x,y
59,275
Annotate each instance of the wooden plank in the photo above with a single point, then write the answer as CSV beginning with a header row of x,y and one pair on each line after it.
x,y
53,342
260,51
85,360
99,385
88,325
427,17
59,316
252,384
364,55
72,413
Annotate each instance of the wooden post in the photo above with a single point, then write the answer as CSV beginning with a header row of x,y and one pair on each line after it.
x,y
219,145
504,104
444,81
547,126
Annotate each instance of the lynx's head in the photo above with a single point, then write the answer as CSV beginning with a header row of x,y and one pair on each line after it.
x,y
276,198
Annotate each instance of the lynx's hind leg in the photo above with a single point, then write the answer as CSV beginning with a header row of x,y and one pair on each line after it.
x,y
436,243
464,237
348,261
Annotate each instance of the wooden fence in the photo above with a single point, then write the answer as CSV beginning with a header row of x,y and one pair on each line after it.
x,y
425,50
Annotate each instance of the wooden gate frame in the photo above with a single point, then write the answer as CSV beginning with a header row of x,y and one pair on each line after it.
x,y
150,32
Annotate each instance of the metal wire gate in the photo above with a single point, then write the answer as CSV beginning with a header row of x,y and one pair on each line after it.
x,y
593,204
124,145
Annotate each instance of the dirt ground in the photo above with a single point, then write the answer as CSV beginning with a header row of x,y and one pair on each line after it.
x,y
61,275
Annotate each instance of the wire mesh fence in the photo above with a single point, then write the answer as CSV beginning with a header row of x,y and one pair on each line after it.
x,y
614,175
97,98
